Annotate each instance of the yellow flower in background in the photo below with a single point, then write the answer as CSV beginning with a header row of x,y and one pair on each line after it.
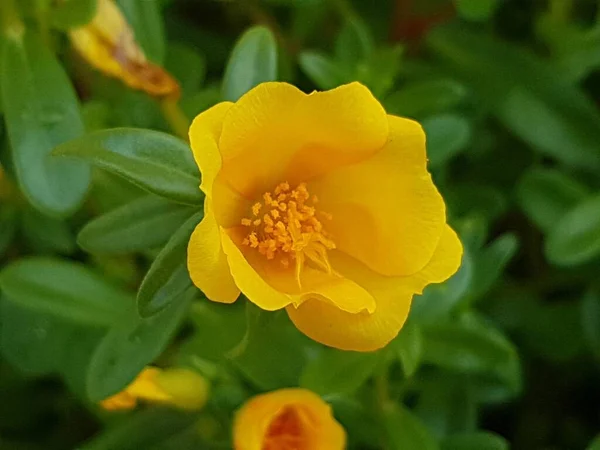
x,y
108,43
179,387
320,204
287,419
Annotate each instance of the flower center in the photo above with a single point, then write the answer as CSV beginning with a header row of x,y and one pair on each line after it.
x,y
285,432
286,226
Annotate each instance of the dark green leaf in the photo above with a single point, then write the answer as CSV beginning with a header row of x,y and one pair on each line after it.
x,y
405,431
408,346
532,99
73,13
168,276
354,43
322,70
380,71
575,238
187,66
156,162
41,111
447,135
46,234
146,223
253,61
8,227
145,19
64,289
477,10
546,195
595,444
480,440
338,372
130,346
590,320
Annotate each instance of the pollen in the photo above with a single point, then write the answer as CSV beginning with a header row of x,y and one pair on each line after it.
x,y
290,231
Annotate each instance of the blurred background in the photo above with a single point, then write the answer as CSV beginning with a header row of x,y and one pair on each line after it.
x,y
506,354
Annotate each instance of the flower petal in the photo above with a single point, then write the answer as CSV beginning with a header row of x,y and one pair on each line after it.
x,y
204,137
206,262
387,213
284,134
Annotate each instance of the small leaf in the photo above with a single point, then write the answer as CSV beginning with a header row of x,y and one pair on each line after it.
x,y
63,289
322,70
354,43
338,372
73,13
575,238
146,20
447,135
144,224
168,276
253,61
546,195
405,431
480,440
41,111
154,161
187,65
408,346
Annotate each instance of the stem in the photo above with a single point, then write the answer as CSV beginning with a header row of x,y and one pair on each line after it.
x,y
176,118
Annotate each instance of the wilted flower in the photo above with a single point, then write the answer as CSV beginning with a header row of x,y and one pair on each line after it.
x,y
320,204
108,43
179,387
287,419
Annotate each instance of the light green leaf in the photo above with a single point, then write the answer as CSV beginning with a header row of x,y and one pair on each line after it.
x,y
253,61
41,111
480,440
322,70
144,224
338,372
447,135
154,161
145,19
532,99
575,238
63,289
405,431
168,275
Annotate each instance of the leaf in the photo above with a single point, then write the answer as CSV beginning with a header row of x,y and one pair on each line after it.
x,y
575,238
532,99
145,223
168,276
405,431
477,10
187,65
545,195
338,372
480,440
425,97
45,234
63,289
590,320
354,43
73,13
155,161
380,70
253,60
447,135
322,70
41,111
595,444
8,227
130,346
146,20
408,347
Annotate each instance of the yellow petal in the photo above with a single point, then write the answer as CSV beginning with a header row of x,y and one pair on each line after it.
x,y
283,134
207,263
387,213
287,413
108,44
204,136
331,326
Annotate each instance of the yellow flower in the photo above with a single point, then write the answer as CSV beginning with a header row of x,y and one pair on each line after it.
x,y
108,43
286,419
320,204
179,387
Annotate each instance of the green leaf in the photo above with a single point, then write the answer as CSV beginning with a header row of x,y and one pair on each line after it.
x,y
595,444
545,195
405,431
477,10
532,99
145,19
322,70
157,162
168,276
380,70
480,440
63,289
575,238
447,135
408,347
354,43
145,223
469,199
425,97
73,13
8,227
253,61
187,65
131,345
41,111
45,234
271,353
338,372
590,320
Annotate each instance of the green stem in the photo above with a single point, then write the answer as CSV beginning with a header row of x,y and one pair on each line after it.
x,y
176,118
